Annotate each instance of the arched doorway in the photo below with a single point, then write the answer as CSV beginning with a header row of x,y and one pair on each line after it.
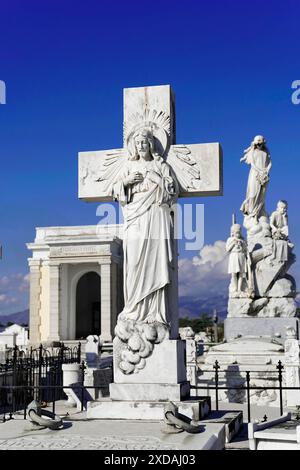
x,y
88,310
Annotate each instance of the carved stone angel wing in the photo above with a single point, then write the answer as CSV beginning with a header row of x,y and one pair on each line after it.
x,y
185,167
98,171
111,168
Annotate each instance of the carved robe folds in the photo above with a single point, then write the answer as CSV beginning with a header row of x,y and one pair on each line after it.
x,y
148,247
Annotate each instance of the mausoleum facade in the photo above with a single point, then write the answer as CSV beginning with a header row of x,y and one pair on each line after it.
x,y
75,282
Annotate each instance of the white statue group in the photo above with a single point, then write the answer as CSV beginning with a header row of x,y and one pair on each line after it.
x,y
258,263
146,178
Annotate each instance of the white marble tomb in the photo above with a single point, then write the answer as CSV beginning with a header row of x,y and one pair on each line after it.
x,y
75,283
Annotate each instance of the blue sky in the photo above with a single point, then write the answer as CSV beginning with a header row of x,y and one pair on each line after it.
x,y
231,65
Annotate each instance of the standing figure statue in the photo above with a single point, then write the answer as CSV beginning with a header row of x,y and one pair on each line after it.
x,y
257,155
239,263
146,189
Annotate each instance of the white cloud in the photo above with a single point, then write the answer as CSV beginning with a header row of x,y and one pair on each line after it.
x,y
204,281
211,254
14,290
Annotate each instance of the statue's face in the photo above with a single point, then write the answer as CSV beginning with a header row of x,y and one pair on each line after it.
x,y
143,146
281,208
237,233
259,141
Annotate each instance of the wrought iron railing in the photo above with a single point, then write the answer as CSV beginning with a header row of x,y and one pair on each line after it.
x,y
34,374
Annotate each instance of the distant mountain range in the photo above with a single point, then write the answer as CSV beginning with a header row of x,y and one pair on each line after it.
x,y
194,307
191,308
18,317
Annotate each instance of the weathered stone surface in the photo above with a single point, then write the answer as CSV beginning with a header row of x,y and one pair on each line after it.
x,y
265,273
238,307
165,365
282,288
140,392
259,326
262,307
257,305
279,434
106,408
279,307
111,435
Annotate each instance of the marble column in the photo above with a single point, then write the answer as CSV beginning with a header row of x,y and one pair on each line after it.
x,y
106,302
54,301
35,301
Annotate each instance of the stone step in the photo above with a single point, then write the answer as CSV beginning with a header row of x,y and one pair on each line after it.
x,y
106,408
233,421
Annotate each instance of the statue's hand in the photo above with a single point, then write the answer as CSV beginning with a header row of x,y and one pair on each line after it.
x,y
133,178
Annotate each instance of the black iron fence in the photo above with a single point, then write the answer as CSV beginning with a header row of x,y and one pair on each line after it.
x,y
33,374
242,383
38,375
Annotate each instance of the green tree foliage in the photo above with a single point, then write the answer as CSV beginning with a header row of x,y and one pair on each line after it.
x,y
201,323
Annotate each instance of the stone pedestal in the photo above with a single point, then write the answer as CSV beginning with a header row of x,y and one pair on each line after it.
x,y
71,374
259,327
149,391
162,379
106,408
143,395
166,365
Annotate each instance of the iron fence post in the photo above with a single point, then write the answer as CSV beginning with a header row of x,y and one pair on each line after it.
x,y
52,382
280,367
217,367
82,367
61,352
248,395
79,352
25,401
40,372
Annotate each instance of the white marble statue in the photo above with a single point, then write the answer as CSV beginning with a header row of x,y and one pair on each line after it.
x,y
146,189
258,157
279,222
272,289
146,176
239,262
280,232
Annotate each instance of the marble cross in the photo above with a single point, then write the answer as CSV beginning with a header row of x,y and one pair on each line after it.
x,y
197,167
146,176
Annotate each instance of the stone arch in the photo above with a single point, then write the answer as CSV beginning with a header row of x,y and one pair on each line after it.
x,y
85,308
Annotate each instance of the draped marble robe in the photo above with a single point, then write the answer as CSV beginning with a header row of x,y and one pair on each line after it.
x,y
260,161
148,240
